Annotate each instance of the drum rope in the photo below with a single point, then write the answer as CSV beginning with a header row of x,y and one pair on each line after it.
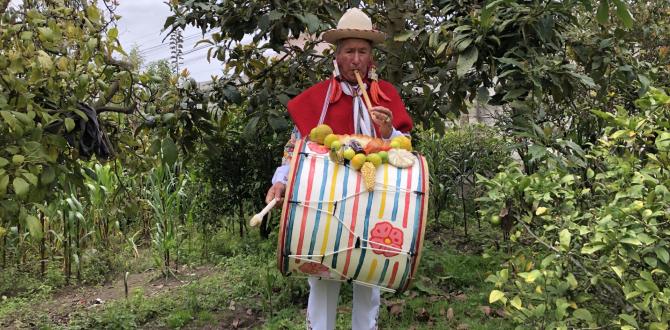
x,y
348,279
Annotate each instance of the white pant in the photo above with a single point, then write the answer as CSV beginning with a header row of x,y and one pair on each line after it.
x,y
322,305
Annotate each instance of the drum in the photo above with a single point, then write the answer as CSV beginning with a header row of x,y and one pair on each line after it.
x,y
332,227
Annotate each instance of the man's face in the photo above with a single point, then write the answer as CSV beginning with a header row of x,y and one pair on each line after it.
x,y
353,54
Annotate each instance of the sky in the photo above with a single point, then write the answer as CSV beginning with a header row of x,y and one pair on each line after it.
x,y
141,25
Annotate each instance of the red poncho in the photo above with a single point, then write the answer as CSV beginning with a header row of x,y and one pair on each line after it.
x,y
305,110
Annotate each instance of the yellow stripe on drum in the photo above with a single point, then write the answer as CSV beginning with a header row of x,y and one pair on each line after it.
x,y
333,185
382,205
371,273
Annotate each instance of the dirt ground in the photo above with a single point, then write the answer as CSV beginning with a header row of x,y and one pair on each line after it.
x,y
71,299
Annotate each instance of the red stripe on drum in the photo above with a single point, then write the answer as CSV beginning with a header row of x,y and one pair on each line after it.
x,y
393,274
407,195
303,224
353,226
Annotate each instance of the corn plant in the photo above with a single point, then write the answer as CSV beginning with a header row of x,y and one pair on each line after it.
x,y
165,193
102,185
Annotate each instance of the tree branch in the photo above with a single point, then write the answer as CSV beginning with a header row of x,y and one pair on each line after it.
x,y
127,110
108,95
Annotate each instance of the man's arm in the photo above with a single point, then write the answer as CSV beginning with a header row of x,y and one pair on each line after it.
x,y
280,178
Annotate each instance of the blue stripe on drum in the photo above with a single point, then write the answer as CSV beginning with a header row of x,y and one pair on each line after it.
x,y
318,213
342,206
368,210
398,175
294,197
381,278
408,266
417,209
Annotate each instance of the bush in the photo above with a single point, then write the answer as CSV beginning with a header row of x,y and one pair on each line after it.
x,y
453,160
592,242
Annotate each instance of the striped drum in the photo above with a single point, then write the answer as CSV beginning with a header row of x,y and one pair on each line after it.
x,y
332,227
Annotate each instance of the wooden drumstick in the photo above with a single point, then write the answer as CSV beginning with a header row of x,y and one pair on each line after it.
x,y
258,218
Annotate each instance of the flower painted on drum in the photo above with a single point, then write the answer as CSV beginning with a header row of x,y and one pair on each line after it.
x,y
318,148
315,268
391,237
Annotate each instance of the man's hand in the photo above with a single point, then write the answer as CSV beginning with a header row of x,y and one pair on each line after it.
x,y
276,191
383,118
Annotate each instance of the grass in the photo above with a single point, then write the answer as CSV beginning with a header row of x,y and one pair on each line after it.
x,y
244,289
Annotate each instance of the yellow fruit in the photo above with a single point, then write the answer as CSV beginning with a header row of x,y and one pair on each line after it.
x,y
336,145
403,142
374,159
384,155
495,220
369,172
395,144
319,133
349,153
329,139
357,162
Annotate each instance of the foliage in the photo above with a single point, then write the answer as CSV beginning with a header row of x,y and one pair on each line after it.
x,y
238,167
453,160
600,232
165,192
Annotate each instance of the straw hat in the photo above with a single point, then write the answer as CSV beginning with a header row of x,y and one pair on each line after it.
x,y
354,24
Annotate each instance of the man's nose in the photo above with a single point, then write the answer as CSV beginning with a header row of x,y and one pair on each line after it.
x,y
356,59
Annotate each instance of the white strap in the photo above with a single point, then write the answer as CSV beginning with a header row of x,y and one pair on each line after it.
x,y
362,122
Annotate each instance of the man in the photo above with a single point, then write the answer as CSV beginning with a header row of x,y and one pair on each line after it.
x,y
338,102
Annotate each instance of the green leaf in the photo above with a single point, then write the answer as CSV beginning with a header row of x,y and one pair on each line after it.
x,y
283,98
663,141
629,319
516,302
311,21
495,296
169,151
69,124
21,187
44,60
564,237
18,159
531,276
48,175
572,281
3,162
583,314
618,270
4,182
34,227
646,286
631,241
603,13
623,13
466,60
404,36
113,33
658,326
662,254
32,178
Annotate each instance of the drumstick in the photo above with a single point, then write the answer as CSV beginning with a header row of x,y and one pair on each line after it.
x,y
365,92
258,218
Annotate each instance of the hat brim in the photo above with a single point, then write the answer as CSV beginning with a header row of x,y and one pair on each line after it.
x,y
332,36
